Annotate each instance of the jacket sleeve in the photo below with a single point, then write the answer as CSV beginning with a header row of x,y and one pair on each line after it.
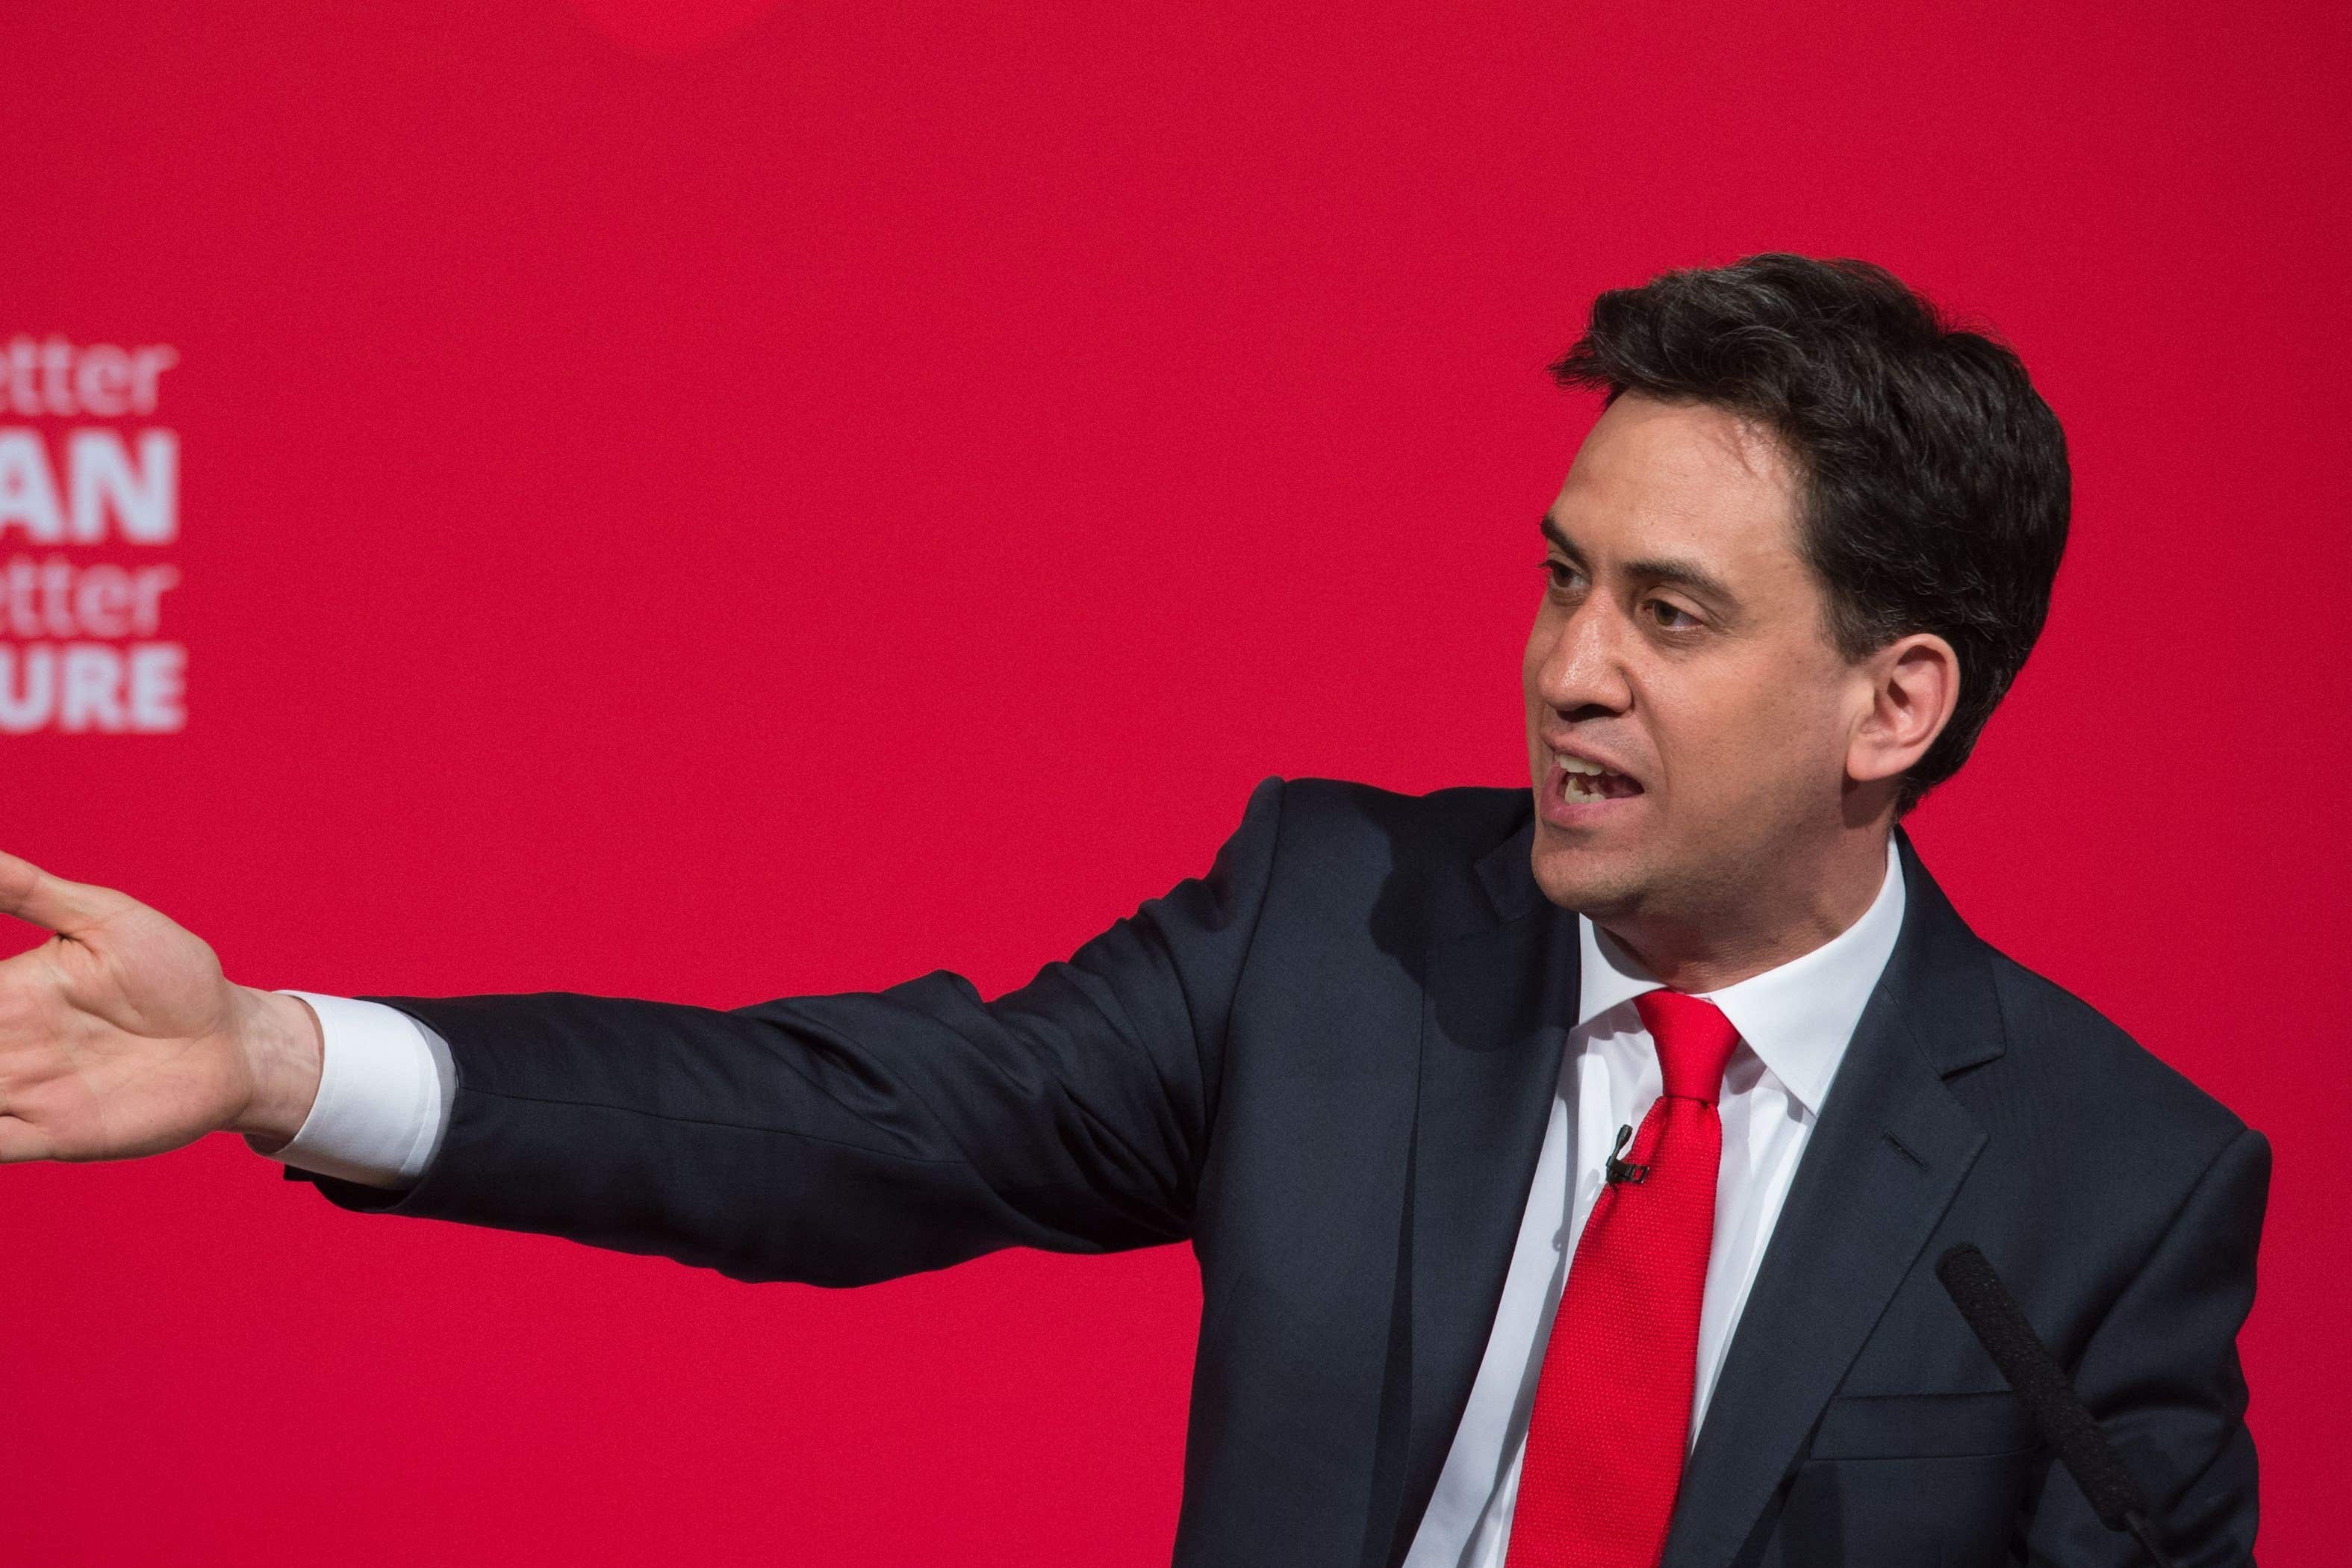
x,y
2161,1377
836,1140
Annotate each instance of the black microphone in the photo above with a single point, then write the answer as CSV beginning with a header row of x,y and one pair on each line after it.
x,y
2000,1325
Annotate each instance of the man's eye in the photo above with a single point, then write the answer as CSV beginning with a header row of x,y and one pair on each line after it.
x,y
1556,572
1665,610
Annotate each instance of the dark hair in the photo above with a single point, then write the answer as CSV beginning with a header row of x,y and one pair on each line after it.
x,y
1935,489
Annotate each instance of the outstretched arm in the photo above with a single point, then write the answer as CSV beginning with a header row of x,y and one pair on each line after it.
x,y
840,1139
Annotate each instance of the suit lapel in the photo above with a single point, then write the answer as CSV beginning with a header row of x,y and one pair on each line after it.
x,y
1500,998
1886,1157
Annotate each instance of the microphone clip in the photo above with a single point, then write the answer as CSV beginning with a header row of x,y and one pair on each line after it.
x,y
1624,1171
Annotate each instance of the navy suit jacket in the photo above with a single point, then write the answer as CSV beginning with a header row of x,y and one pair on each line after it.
x,y
1327,1066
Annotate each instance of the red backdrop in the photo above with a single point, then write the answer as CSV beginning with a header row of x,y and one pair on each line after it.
x,y
743,498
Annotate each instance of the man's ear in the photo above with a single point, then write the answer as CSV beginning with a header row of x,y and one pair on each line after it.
x,y
1913,683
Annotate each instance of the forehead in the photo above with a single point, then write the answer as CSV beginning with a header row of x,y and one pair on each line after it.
x,y
1699,479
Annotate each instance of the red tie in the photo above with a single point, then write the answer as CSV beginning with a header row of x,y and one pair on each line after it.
x,y
1612,1417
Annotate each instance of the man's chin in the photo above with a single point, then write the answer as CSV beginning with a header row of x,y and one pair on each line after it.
x,y
1591,880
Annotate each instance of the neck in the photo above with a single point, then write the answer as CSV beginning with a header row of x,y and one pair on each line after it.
x,y
1765,929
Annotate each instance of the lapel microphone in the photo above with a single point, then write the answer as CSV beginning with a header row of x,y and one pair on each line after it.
x,y
1625,1170
2000,1324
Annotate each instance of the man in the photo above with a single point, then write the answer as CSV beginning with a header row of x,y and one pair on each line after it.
x,y
1566,1168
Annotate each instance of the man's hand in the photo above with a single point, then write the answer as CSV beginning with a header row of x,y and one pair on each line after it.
x,y
121,1036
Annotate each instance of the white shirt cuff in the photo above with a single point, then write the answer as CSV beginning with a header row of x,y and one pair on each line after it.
x,y
385,1085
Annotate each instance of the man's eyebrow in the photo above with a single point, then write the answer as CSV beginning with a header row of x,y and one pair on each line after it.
x,y
1553,532
1675,569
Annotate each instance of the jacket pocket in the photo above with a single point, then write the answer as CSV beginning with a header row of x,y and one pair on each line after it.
x,y
1924,1425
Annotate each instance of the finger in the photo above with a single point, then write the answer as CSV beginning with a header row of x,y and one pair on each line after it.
x,y
51,902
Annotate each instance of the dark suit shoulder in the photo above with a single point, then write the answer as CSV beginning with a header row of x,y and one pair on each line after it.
x,y
1363,875
1407,838
2100,1081
1457,823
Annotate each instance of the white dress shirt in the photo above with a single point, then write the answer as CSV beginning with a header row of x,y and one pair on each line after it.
x,y
387,1083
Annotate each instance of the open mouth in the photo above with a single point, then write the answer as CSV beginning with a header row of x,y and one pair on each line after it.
x,y
1581,780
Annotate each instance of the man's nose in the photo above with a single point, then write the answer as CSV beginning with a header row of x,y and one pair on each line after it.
x,y
1584,667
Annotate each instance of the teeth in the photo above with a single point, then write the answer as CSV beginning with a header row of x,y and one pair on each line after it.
x,y
1578,765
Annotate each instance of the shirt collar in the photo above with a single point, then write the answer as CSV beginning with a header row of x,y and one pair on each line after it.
x,y
1797,1017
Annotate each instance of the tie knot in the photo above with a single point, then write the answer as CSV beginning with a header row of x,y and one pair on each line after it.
x,y
1693,1039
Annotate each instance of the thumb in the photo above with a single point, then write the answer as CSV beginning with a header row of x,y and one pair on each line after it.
x,y
51,902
